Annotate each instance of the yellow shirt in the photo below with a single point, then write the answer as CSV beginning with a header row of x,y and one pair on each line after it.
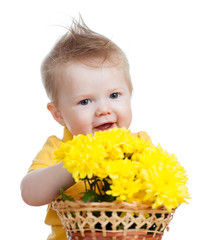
x,y
45,158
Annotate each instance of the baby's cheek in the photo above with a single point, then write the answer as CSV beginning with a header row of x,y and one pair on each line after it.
x,y
126,117
82,125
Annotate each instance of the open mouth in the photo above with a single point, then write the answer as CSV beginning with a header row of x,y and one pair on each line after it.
x,y
105,126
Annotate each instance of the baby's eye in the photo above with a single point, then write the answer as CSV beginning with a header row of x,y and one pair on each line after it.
x,y
85,102
114,95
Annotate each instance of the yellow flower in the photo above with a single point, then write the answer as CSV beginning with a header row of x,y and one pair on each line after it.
x,y
122,168
82,156
114,140
135,169
163,179
124,188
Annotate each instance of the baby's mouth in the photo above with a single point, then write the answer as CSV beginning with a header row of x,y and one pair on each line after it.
x,y
105,126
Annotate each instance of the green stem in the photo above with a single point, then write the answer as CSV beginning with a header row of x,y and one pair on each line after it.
x,y
98,188
85,185
95,186
89,184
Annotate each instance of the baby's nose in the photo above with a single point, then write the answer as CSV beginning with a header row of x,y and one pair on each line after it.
x,y
103,109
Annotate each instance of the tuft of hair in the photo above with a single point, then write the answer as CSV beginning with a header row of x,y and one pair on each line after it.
x,y
82,44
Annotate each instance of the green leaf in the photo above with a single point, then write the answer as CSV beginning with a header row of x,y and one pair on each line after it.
x,y
108,198
65,197
90,196
120,227
106,185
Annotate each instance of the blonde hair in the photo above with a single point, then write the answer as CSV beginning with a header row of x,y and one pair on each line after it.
x,y
80,44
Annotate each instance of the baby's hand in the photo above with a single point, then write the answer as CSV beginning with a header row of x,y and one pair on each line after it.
x,y
142,135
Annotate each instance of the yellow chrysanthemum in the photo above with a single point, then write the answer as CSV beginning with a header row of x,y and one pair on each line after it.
x,y
82,156
124,188
135,169
122,168
114,140
164,179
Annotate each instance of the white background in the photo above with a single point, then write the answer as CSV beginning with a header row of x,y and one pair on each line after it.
x,y
162,40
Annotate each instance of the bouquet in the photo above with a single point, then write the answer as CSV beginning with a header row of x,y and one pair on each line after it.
x,y
117,167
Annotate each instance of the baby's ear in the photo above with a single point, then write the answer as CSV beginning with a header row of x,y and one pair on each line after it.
x,y
55,113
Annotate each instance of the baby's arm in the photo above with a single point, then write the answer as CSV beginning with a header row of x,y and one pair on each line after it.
x,y
42,185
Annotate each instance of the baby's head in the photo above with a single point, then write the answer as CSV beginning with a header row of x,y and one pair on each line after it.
x,y
86,77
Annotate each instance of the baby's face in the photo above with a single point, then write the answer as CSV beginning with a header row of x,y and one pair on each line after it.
x,y
93,99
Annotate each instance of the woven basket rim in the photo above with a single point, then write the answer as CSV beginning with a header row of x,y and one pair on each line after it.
x,y
104,206
79,217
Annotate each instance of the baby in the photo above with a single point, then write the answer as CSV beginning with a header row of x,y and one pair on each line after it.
x,y
86,77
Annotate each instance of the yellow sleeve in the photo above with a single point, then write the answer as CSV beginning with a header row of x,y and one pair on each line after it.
x,y
45,157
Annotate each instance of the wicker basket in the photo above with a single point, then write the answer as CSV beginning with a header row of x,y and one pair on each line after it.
x,y
111,220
